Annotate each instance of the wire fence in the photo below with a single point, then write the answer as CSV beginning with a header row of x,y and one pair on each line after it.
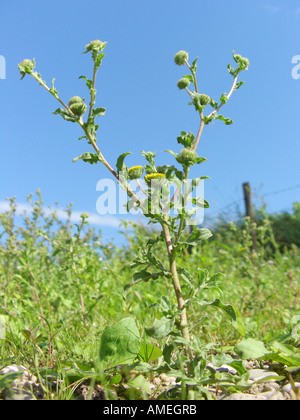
x,y
239,201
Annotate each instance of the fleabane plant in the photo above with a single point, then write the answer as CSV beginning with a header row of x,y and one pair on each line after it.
x,y
153,197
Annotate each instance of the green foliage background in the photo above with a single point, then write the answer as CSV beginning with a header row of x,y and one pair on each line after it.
x,y
61,286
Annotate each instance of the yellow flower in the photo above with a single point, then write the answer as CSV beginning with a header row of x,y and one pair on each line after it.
x,y
135,172
157,177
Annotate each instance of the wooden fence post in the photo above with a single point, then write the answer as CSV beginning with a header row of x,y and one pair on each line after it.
x,y
249,210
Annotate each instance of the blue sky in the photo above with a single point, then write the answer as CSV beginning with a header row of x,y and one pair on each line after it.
x,y
145,109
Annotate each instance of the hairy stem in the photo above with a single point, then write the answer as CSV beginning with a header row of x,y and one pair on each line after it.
x,y
184,328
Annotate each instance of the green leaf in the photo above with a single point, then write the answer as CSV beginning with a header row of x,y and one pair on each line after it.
x,y
186,276
89,82
238,85
227,121
120,162
120,343
186,139
286,354
99,59
172,153
53,90
231,70
91,158
65,114
194,65
228,309
199,160
161,328
149,352
213,103
189,77
197,236
142,275
224,98
97,112
200,202
251,349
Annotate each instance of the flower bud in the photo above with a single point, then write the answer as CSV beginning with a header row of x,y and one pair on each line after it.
x,y
26,66
75,100
95,45
187,157
245,63
135,172
183,83
204,99
78,108
200,100
181,57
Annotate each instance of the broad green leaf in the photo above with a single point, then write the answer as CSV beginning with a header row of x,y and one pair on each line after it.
x,y
120,162
200,202
161,328
197,236
189,77
199,160
186,276
120,343
149,352
251,349
228,309
142,275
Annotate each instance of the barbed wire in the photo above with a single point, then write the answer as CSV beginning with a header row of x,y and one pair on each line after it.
x,y
262,195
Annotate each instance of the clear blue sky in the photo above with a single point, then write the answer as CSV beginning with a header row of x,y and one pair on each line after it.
x,y
145,109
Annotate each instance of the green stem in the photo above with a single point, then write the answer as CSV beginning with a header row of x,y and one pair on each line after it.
x,y
184,327
92,90
88,134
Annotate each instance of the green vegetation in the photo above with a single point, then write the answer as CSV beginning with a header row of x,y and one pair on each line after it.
x,y
80,313
62,290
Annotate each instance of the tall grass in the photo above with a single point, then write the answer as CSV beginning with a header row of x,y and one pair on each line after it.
x,y
61,286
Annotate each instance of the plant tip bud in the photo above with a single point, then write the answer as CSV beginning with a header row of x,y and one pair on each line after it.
x,y
95,45
26,66
187,157
181,57
75,100
183,83
77,106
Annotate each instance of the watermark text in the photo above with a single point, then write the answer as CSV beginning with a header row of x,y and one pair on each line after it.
x,y
296,68
2,67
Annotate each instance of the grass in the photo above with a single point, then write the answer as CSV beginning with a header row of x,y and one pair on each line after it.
x,y
61,286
